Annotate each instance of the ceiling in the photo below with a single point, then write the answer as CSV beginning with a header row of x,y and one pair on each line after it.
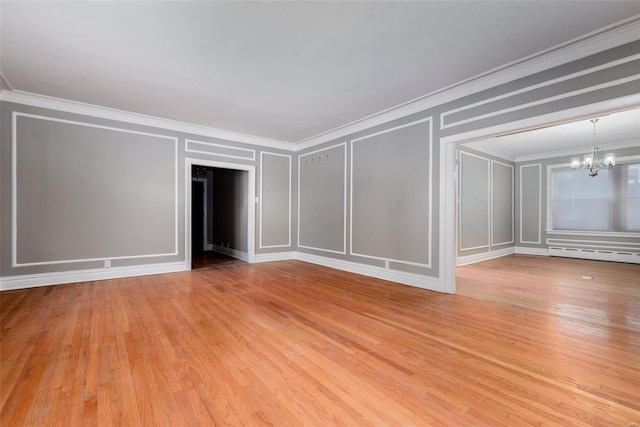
x,y
279,70
620,128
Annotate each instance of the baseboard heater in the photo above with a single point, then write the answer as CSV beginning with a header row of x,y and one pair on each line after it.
x,y
595,254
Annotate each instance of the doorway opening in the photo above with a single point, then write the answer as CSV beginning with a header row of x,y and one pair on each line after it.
x,y
219,213
450,173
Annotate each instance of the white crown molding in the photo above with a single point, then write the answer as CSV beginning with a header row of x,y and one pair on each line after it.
x,y
547,120
606,38
34,100
574,151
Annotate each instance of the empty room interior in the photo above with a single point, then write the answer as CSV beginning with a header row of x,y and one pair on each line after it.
x,y
320,213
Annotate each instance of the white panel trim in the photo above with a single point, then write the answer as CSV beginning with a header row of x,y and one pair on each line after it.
x,y
493,243
532,251
430,196
14,190
210,153
484,256
74,107
59,278
410,279
344,220
539,166
546,120
538,86
614,35
462,249
288,244
251,211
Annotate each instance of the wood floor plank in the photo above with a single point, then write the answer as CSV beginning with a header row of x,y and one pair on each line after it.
x,y
526,341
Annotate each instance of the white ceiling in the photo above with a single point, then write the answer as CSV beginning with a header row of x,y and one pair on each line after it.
x,y
281,70
615,129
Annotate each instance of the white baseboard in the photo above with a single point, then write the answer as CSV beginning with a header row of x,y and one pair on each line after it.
x,y
532,251
46,279
484,256
58,278
231,252
276,256
424,282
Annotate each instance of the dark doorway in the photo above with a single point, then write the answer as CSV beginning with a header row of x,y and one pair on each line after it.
x,y
197,219
210,207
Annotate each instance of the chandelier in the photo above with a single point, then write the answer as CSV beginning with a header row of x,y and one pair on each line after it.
x,y
591,162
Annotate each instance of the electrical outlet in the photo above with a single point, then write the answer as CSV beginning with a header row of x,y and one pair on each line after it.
x,y
107,263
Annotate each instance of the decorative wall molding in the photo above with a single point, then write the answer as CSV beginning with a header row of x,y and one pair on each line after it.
x,y
47,279
470,248
545,120
494,162
531,88
14,191
430,214
251,153
42,101
344,231
288,244
484,256
539,166
606,38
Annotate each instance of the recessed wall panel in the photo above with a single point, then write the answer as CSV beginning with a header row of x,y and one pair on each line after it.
x,y
85,192
501,203
474,202
530,203
275,200
391,195
321,198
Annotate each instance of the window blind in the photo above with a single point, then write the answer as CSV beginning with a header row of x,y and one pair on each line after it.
x,y
607,202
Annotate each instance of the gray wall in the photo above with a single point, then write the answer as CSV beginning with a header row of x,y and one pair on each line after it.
x,y
377,207
379,221
90,189
486,209
384,214
276,200
321,197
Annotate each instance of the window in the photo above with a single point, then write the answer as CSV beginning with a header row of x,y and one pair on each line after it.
x,y
607,202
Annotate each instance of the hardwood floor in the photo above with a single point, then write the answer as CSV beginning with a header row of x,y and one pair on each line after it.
x,y
526,341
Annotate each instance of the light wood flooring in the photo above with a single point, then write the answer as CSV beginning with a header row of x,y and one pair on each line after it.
x,y
526,341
